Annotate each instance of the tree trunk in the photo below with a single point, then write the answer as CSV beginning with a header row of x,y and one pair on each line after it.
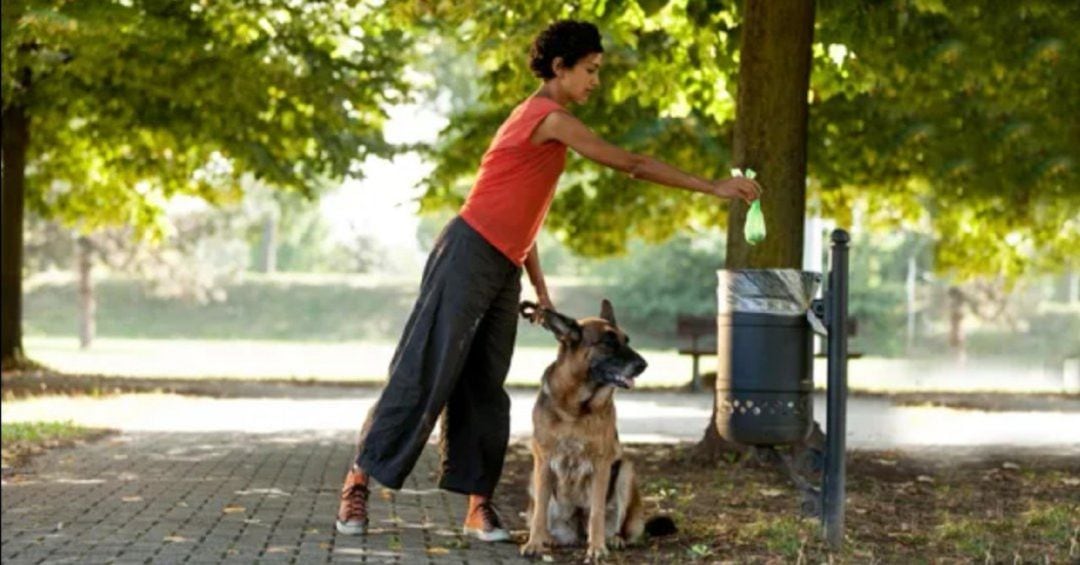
x,y
1074,286
910,288
16,138
956,323
770,137
268,247
87,302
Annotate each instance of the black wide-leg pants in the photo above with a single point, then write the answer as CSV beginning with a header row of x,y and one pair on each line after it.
x,y
454,353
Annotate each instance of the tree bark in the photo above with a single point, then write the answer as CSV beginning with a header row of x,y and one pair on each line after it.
x,y
16,139
957,301
770,137
910,288
87,301
268,247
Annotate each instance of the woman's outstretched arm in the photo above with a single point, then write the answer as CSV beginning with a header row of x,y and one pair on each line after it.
x,y
571,131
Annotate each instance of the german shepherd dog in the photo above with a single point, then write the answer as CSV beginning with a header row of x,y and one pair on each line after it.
x,y
582,487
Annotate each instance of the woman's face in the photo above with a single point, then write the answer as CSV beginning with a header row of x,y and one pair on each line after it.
x,y
580,80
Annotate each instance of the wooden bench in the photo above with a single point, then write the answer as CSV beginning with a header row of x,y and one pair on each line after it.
x,y
701,331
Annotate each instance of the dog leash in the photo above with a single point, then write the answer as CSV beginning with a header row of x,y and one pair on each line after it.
x,y
528,309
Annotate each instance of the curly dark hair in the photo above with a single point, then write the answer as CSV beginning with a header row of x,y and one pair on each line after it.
x,y
572,40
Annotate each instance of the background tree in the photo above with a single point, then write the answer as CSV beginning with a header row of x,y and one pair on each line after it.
x,y
202,250
109,109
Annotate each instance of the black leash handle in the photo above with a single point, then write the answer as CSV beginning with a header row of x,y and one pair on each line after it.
x,y
528,309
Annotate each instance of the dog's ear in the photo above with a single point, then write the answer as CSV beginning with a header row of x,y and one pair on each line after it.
x,y
607,312
566,329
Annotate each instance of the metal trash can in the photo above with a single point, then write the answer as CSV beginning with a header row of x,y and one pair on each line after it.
x,y
765,373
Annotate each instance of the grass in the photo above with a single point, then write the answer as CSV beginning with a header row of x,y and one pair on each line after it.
x,y
280,307
355,362
783,534
345,327
23,439
38,432
1056,524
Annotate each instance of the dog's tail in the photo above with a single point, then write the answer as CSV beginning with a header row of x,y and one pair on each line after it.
x,y
660,526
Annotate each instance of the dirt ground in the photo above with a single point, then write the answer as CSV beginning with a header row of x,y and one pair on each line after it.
x,y
899,510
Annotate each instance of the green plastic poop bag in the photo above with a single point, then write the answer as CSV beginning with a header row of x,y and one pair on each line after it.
x,y
754,228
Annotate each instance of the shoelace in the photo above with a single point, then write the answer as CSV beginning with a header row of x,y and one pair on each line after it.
x,y
490,516
356,502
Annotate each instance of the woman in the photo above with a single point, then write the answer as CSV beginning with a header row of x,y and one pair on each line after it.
x,y
456,347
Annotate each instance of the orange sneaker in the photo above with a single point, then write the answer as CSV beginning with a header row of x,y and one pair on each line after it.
x,y
483,521
352,517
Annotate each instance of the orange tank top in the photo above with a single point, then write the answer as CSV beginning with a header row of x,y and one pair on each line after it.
x,y
516,182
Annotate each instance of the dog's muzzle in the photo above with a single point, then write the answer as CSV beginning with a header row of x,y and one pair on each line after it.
x,y
620,371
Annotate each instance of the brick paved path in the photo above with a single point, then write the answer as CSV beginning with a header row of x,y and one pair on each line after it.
x,y
224,497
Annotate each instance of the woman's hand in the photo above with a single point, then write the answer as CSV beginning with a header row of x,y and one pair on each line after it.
x,y
737,187
543,302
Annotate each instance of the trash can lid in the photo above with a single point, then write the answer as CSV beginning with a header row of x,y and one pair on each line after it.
x,y
767,291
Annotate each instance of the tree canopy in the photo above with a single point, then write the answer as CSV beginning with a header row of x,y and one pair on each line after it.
x,y
961,117
958,119
132,102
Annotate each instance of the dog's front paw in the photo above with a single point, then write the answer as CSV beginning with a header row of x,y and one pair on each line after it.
x,y
616,542
595,553
535,546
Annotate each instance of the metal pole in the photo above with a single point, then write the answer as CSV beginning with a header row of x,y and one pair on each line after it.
x,y
836,409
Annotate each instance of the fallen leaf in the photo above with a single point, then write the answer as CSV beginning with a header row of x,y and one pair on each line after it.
x,y
771,492
1071,481
924,479
1010,465
438,551
132,499
175,539
232,509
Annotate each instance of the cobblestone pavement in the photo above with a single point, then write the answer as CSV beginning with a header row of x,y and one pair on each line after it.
x,y
224,498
